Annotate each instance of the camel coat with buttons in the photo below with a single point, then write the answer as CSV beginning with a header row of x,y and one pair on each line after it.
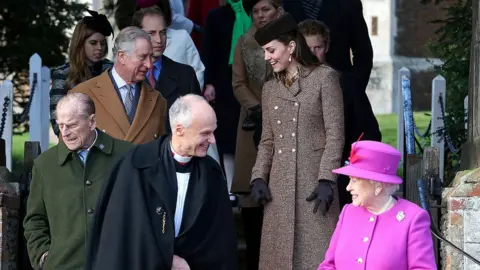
x,y
149,121
249,72
302,142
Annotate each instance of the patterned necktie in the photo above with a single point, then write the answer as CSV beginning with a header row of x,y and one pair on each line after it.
x,y
150,77
129,99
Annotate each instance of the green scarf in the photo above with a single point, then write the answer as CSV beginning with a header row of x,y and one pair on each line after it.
x,y
241,25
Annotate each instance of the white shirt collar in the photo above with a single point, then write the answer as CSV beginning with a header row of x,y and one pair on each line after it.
x,y
118,80
94,141
178,157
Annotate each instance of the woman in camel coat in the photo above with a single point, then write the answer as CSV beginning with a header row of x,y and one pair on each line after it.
x,y
302,142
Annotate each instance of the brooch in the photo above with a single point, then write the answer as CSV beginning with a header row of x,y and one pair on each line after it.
x,y
400,215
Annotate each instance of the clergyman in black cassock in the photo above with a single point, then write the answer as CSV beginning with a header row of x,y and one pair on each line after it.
x,y
136,223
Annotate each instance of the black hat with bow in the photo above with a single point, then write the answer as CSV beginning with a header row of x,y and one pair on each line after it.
x,y
98,22
274,29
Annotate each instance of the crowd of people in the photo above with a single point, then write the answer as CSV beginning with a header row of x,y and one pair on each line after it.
x,y
256,104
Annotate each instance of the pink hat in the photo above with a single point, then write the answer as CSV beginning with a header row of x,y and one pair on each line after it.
x,y
374,161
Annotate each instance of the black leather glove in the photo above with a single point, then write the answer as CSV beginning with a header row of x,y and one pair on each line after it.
x,y
254,116
260,192
323,196
257,134
256,112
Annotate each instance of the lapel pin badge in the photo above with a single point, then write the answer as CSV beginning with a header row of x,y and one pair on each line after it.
x,y
101,146
400,215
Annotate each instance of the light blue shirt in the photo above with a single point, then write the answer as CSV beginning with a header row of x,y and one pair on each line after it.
x,y
156,71
82,154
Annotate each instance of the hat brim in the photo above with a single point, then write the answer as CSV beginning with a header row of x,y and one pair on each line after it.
x,y
352,171
248,5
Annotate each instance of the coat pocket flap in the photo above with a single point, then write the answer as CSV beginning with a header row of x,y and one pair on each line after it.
x,y
318,143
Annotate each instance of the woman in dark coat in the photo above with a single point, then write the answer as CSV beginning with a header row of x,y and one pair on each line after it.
x,y
250,71
87,52
217,51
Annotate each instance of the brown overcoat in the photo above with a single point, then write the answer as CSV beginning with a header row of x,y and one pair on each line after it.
x,y
249,72
149,121
302,142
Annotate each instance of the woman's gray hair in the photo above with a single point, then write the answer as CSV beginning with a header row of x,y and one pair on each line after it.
x,y
180,112
125,40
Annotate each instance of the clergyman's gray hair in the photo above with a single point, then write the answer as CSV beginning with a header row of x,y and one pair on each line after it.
x,y
181,110
83,104
125,40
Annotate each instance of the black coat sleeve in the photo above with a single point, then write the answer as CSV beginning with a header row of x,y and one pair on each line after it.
x,y
121,236
212,243
360,44
194,85
207,53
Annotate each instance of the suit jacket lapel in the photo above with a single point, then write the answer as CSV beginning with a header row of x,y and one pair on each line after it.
x,y
166,83
146,104
107,96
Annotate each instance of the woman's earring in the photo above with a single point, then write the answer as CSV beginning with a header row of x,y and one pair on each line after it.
x,y
377,192
290,58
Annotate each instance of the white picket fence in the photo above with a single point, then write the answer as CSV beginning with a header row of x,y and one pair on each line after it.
x,y
39,116
438,90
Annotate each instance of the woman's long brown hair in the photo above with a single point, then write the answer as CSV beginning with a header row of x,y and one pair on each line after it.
x,y
79,71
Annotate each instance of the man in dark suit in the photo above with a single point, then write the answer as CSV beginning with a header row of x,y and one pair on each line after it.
x,y
348,33
170,78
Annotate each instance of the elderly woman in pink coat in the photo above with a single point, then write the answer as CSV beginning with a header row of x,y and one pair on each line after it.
x,y
378,231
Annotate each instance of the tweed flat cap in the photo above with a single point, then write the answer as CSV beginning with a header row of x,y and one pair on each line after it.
x,y
272,30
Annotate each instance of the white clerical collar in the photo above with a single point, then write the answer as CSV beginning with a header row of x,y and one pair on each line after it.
x,y
179,158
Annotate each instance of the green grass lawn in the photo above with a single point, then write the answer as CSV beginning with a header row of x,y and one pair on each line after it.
x,y
388,126
387,122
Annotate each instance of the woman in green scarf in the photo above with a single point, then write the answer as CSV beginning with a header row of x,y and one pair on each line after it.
x,y
250,71
222,29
